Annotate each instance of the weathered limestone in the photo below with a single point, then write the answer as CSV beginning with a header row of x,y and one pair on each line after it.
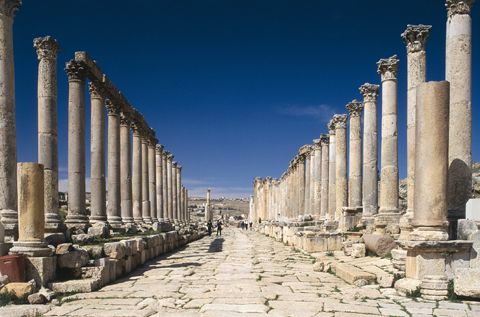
x,y
308,162
415,37
31,212
152,186
165,197
159,181
145,193
113,207
170,186
301,181
311,172
355,109
332,196
431,162
178,176
174,192
316,178
388,217
8,156
76,216
97,155
137,173
47,50
458,70
324,141
341,186
370,182
208,211
125,170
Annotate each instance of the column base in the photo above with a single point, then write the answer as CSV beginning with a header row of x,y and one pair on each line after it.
x,y
73,221
368,222
147,220
387,222
126,220
96,219
406,225
31,248
429,234
138,220
115,221
10,223
53,224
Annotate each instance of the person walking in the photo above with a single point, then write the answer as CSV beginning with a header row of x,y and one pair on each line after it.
x,y
219,228
209,227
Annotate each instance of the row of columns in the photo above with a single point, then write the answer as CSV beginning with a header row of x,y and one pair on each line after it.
x,y
316,181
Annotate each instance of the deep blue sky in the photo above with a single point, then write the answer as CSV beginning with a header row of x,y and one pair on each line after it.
x,y
233,88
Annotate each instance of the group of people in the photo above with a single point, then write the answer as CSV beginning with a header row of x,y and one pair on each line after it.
x,y
244,225
218,226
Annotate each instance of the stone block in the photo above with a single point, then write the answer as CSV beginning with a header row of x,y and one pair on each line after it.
x,y
352,274
82,238
358,250
114,250
41,269
466,228
467,282
63,248
472,211
475,250
36,298
73,259
99,229
76,286
130,246
406,285
381,245
19,289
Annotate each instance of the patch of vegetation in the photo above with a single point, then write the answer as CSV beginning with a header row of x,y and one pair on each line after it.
x,y
451,292
330,271
355,229
336,289
396,277
414,294
371,253
387,256
10,298
329,253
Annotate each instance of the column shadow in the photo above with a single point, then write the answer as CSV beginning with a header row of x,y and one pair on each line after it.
x,y
216,245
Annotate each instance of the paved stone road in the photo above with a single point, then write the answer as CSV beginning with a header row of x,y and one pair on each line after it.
x,y
244,274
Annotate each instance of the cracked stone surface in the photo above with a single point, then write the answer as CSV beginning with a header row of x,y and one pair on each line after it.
x,y
242,273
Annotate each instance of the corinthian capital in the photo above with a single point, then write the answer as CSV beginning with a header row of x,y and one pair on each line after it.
x,y
324,139
113,109
125,119
159,148
96,90
354,108
415,37
75,70
47,47
339,121
388,67
9,7
369,92
458,7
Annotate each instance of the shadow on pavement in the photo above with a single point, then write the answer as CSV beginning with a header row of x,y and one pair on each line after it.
x,y
216,245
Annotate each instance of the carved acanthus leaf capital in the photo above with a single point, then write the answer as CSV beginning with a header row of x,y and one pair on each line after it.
x,y
75,70
369,92
10,7
340,121
458,7
47,47
112,109
125,119
159,148
388,67
331,127
96,90
355,108
324,139
415,37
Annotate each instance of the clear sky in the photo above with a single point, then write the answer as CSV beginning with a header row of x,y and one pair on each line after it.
x,y
232,87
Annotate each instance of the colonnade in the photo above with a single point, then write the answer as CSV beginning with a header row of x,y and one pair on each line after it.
x,y
315,184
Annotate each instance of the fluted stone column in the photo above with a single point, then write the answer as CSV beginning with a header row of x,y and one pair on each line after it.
x,y
431,162
159,182
182,204
113,206
324,197
370,153
137,173
459,73
301,184
125,170
77,215
341,191
186,206
256,200
31,212
47,50
145,193
317,178
355,109
98,211
332,187
415,37
152,174
165,197
208,211
308,162
389,215
312,180
8,156
178,174
169,187
174,192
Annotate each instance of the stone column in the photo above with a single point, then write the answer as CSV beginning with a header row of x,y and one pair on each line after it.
x,y
77,215
301,184
8,151
208,214
179,192
415,37
317,178
152,174
169,186
187,212
389,215
332,187
113,207
341,191
137,173
182,204
307,185
459,73
31,212
174,192
47,50
324,197
431,162
355,109
125,170
165,197
145,193
159,182
97,154
370,153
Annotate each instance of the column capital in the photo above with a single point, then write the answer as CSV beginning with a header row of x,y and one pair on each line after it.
x,y
125,119
415,37
96,90
455,7
340,121
388,68
75,71
10,7
169,156
179,167
355,108
47,47
331,127
369,92
316,144
113,109
324,139
159,148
